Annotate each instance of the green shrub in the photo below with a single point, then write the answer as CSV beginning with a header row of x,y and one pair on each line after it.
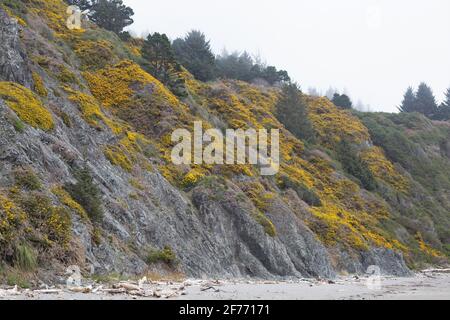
x,y
66,119
66,76
51,222
307,195
27,179
265,222
86,193
15,278
165,255
19,126
355,166
25,258
36,204
58,226
446,248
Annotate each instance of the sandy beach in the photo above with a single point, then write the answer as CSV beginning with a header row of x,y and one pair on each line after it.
x,y
423,286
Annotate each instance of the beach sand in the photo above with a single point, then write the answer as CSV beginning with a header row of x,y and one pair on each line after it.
x,y
424,285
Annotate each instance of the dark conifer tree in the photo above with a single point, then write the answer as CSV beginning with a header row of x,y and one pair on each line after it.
x,y
112,15
160,62
342,101
425,101
194,53
159,56
409,101
291,111
444,108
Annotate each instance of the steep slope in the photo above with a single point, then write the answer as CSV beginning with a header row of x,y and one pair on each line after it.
x,y
77,103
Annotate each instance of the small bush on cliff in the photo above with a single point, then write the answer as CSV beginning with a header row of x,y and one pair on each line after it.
x,y
304,193
19,126
86,193
265,222
39,86
165,255
25,258
27,179
50,224
355,166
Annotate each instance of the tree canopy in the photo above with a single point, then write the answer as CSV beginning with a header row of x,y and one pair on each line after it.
x,y
354,165
236,66
342,101
160,58
194,53
409,100
243,67
112,15
82,4
444,108
425,101
160,61
422,101
291,111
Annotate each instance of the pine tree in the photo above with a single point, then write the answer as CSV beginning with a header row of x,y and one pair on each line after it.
x,y
159,55
111,15
446,102
160,61
425,101
409,101
291,111
444,108
194,53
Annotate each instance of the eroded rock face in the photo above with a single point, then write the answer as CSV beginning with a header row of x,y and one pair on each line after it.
x,y
245,249
386,261
13,64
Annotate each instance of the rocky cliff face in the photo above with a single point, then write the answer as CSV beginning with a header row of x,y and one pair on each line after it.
x,y
73,101
13,64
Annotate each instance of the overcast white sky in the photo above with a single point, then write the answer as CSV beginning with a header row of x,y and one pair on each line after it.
x,y
374,49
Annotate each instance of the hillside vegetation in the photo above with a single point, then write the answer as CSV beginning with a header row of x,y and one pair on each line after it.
x,y
86,176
